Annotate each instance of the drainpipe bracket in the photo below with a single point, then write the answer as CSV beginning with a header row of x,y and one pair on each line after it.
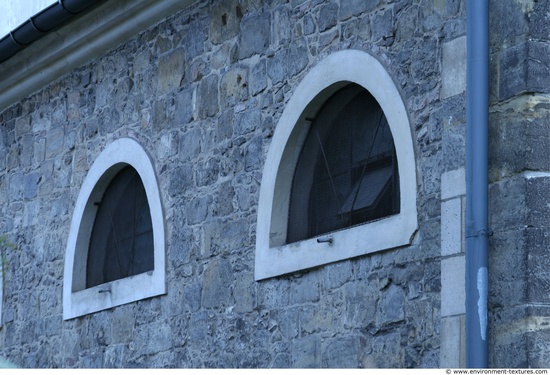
x,y
471,232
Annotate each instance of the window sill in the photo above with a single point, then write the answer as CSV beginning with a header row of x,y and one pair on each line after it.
x,y
391,232
115,293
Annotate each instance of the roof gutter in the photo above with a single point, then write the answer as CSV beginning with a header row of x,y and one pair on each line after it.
x,y
40,24
477,182
79,42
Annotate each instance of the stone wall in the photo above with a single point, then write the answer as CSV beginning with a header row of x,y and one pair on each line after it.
x,y
519,180
202,92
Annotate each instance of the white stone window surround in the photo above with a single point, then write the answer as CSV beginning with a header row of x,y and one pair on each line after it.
x,y
77,300
273,256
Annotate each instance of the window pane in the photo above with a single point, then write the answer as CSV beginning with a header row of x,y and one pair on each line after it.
x,y
121,243
347,170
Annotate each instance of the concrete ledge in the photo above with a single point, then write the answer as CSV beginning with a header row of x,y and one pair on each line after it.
x,y
454,68
453,343
451,226
453,183
453,286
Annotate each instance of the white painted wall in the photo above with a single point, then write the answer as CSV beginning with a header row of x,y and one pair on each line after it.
x,y
14,13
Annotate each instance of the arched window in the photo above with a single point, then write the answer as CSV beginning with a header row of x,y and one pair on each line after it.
x,y
121,242
115,251
347,170
340,175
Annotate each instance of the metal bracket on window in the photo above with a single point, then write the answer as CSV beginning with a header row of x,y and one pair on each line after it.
x,y
325,239
104,291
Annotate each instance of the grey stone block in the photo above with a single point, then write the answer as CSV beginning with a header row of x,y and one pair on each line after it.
x,y
336,275
341,352
536,265
255,35
297,59
195,37
276,68
282,27
383,352
511,348
306,352
524,68
220,236
305,288
207,171
510,23
115,356
190,144
122,325
234,86
184,107
529,187
383,31
247,122
157,335
225,21
272,294
253,152
207,97
258,78
327,16
246,293
355,7
391,306
308,25
54,142
180,179
225,124
538,25
23,125
192,296
197,210
521,140
215,284
454,148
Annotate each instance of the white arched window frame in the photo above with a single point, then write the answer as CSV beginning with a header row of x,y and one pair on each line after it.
x,y
273,255
79,300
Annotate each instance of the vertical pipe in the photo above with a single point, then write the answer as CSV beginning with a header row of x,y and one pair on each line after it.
x,y
477,184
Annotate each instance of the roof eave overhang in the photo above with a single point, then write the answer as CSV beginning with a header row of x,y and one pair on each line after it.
x,y
41,24
79,42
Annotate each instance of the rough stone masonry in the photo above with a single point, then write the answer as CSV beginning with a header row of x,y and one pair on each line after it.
x,y
202,91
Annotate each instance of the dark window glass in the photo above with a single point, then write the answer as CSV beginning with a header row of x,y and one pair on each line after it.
x,y
347,169
121,243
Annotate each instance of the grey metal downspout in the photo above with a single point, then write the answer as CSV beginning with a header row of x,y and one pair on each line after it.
x,y
477,183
